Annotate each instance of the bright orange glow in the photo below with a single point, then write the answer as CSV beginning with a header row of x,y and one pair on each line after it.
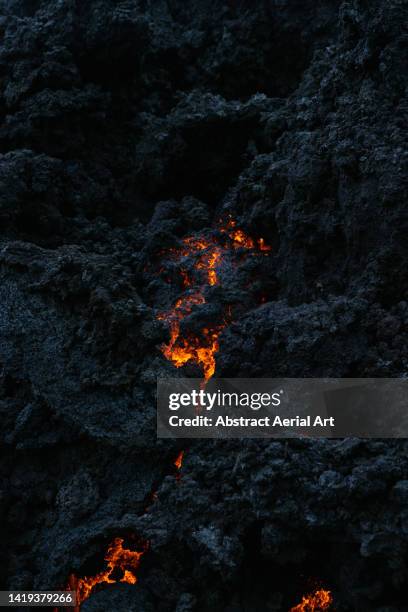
x,y
263,246
182,350
320,600
205,256
122,561
179,460
240,239
209,263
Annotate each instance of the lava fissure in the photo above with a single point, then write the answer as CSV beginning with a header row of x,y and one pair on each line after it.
x,y
119,559
199,261
178,462
121,562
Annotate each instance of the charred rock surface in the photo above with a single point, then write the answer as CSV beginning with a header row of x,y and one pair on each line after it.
x,y
127,127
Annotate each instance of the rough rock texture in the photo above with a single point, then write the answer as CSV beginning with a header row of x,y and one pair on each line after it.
x,y
126,125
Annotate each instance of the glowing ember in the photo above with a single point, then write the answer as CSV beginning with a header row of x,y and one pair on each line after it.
x,y
320,600
208,256
122,564
241,240
179,460
263,246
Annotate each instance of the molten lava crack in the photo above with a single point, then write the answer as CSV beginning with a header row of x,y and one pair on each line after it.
x,y
208,254
179,460
122,564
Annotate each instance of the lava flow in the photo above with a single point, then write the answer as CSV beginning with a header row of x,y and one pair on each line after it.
x,y
207,254
316,602
199,350
179,460
122,564
178,463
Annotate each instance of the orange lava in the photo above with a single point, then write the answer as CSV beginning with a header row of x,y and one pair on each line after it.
x,y
122,565
263,246
208,255
320,600
242,240
179,460
209,263
182,350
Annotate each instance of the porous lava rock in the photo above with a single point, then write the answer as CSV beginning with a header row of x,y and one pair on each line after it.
x,y
127,125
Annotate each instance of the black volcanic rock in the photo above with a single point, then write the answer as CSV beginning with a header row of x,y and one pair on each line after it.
x,y
125,127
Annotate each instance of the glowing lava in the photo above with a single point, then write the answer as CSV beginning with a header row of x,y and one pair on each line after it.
x,y
241,240
202,257
122,565
178,462
207,254
320,600
200,350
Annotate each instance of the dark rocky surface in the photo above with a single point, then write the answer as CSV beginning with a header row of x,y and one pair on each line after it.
x,y
126,125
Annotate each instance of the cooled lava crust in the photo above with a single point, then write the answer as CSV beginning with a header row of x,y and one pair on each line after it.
x,y
129,128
